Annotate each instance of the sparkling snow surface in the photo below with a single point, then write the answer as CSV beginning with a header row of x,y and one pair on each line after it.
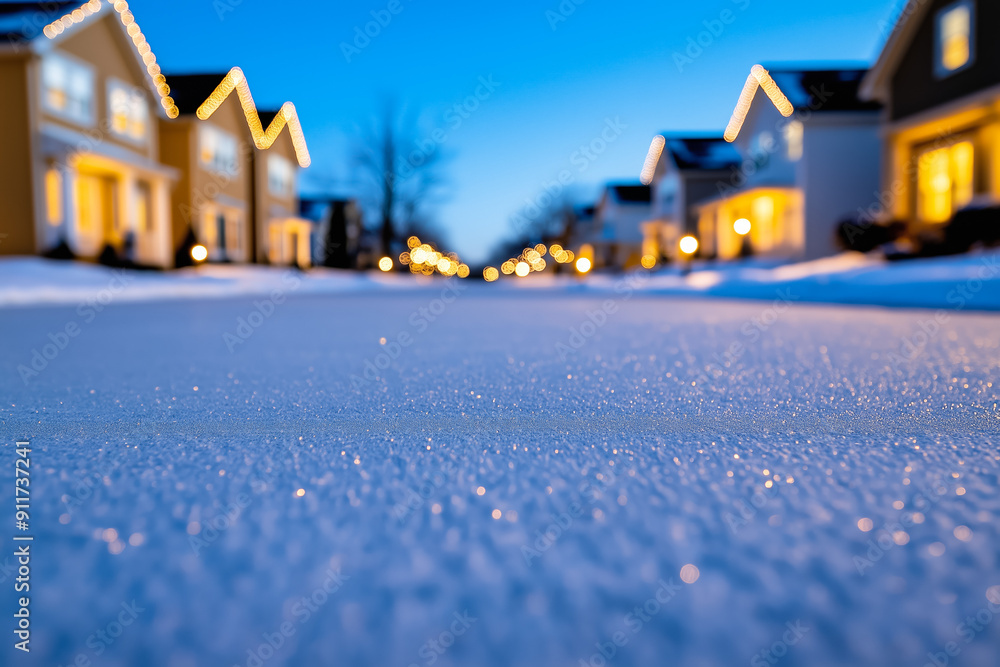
x,y
648,442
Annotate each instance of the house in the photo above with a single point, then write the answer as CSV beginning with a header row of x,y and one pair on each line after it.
x,y
79,166
683,169
803,173
283,236
213,197
614,237
105,160
939,79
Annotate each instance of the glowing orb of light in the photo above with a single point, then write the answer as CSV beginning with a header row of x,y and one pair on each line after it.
x,y
742,226
689,245
583,265
199,253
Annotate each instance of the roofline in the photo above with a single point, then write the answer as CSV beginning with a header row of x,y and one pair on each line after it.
x,y
817,66
874,86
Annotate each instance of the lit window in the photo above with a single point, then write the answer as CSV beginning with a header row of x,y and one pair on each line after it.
x,y
280,176
68,88
218,150
944,181
954,38
129,111
794,133
54,196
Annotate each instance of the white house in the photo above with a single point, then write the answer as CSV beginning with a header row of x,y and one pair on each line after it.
x,y
614,237
800,174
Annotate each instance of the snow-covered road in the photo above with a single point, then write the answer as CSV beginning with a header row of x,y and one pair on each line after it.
x,y
478,477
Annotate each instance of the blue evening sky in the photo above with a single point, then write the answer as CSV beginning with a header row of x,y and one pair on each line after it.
x,y
559,82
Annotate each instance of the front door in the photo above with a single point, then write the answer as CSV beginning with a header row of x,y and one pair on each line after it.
x,y
97,219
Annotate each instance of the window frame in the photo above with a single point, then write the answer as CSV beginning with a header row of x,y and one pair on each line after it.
x,y
63,114
940,71
133,92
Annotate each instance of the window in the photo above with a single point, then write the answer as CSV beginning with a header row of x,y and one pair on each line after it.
x,y
129,111
144,206
68,89
954,43
794,133
944,181
218,150
280,176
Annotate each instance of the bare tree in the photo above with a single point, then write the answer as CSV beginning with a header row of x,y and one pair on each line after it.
x,y
402,172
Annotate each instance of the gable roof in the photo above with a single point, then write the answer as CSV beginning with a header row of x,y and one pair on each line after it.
x,y
630,193
24,21
876,83
39,23
822,90
702,153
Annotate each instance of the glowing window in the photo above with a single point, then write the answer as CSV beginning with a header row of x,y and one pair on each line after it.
x,y
280,176
217,150
54,196
68,88
954,38
794,133
128,110
945,181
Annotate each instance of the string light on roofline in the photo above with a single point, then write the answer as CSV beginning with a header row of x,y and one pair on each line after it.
x,y
652,158
759,78
142,47
236,81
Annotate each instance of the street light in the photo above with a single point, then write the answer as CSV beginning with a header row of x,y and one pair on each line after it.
x,y
742,226
199,253
385,264
583,265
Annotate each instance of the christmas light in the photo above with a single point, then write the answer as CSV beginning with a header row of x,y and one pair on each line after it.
x,y
263,139
142,47
759,78
652,158
689,245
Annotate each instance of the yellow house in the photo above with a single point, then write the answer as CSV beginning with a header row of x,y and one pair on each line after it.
x,y
79,163
939,77
213,198
283,236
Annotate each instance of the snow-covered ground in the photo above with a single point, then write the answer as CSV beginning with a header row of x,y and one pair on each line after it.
x,y
967,282
498,477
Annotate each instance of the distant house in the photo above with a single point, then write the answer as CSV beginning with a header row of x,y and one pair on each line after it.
x,y
214,196
283,236
800,175
79,162
939,78
689,169
615,235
